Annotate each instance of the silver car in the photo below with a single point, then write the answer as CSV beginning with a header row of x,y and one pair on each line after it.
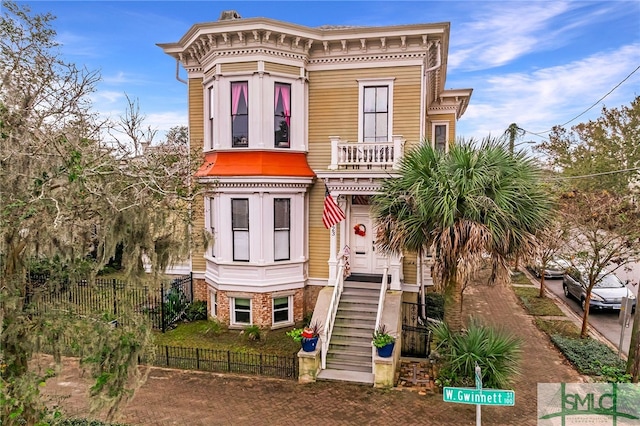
x,y
606,294
555,268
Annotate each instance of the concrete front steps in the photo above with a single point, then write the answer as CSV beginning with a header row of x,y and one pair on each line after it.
x,y
350,352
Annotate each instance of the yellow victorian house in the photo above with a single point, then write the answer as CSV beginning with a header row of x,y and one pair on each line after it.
x,y
282,115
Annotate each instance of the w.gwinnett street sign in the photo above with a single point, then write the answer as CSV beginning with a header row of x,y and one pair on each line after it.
x,y
479,396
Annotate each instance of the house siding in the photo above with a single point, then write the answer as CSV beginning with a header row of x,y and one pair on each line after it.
x,y
281,68
239,67
196,141
340,87
318,235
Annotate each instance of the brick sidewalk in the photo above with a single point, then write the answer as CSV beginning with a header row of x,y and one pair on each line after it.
x,y
174,397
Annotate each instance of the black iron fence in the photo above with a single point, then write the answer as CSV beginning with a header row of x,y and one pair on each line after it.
x,y
163,304
416,337
226,361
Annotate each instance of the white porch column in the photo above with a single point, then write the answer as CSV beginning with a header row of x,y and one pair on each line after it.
x,y
395,269
398,150
333,258
334,152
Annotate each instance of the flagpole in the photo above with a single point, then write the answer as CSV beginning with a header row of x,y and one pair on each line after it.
x,y
333,256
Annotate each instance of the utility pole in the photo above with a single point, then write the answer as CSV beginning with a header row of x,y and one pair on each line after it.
x,y
513,131
633,361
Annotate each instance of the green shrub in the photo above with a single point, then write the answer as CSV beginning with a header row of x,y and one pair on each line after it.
x,y
295,334
590,356
253,332
496,352
196,311
434,303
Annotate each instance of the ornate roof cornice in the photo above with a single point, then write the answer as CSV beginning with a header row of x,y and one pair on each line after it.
x,y
206,41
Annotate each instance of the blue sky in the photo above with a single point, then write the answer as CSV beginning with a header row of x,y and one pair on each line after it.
x,y
535,63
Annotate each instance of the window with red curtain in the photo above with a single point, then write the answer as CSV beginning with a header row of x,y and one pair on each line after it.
x,y
282,114
240,114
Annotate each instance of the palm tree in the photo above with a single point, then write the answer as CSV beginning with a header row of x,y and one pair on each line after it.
x,y
461,205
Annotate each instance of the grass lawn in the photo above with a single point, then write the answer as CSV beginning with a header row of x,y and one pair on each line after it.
x,y
537,306
563,328
520,278
212,335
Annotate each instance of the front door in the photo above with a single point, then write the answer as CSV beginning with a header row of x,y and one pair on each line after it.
x,y
364,257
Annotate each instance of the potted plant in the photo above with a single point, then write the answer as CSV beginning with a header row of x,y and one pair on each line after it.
x,y
383,341
307,336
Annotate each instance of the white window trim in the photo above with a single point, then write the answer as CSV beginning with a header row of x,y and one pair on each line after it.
x,y
366,82
289,310
447,134
233,321
288,230
213,298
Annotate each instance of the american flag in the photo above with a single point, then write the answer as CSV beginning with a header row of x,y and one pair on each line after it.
x,y
331,213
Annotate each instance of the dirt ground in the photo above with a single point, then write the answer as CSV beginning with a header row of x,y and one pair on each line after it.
x,y
175,397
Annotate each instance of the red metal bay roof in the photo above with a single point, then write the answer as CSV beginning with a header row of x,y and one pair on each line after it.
x,y
255,163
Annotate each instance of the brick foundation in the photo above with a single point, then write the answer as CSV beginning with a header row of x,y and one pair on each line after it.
x,y
261,305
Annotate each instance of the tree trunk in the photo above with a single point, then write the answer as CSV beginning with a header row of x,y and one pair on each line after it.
x,y
633,361
585,316
453,304
542,285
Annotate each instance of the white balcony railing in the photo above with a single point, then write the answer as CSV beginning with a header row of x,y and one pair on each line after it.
x,y
346,154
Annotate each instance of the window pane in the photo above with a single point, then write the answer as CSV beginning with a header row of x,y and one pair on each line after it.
x,y
281,213
241,245
369,127
281,132
381,99
243,303
369,99
240,213
281,245
381,127
280,303
440,137
211,103
240,130
281,316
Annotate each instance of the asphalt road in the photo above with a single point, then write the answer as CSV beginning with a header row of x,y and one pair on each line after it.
x,y
605,322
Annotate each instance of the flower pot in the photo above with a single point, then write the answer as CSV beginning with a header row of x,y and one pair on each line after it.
x,y
309,344
307,333
386,351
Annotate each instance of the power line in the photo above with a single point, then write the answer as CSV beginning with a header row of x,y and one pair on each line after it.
x,y
596,174
594,104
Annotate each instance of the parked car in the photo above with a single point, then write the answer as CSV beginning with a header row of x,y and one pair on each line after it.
x,y
606,294
555,268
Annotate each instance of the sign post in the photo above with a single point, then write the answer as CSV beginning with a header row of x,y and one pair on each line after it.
x,y
623,319
478,387
478,396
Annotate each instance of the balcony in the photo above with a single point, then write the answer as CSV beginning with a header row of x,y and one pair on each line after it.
x,y
366,155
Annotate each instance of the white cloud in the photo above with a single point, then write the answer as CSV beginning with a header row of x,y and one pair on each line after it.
x,y
542,98
502,32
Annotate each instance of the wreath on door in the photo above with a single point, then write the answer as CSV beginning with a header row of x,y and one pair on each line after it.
x,y
360,229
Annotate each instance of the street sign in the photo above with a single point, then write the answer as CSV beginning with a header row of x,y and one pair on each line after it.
x,y
479,396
